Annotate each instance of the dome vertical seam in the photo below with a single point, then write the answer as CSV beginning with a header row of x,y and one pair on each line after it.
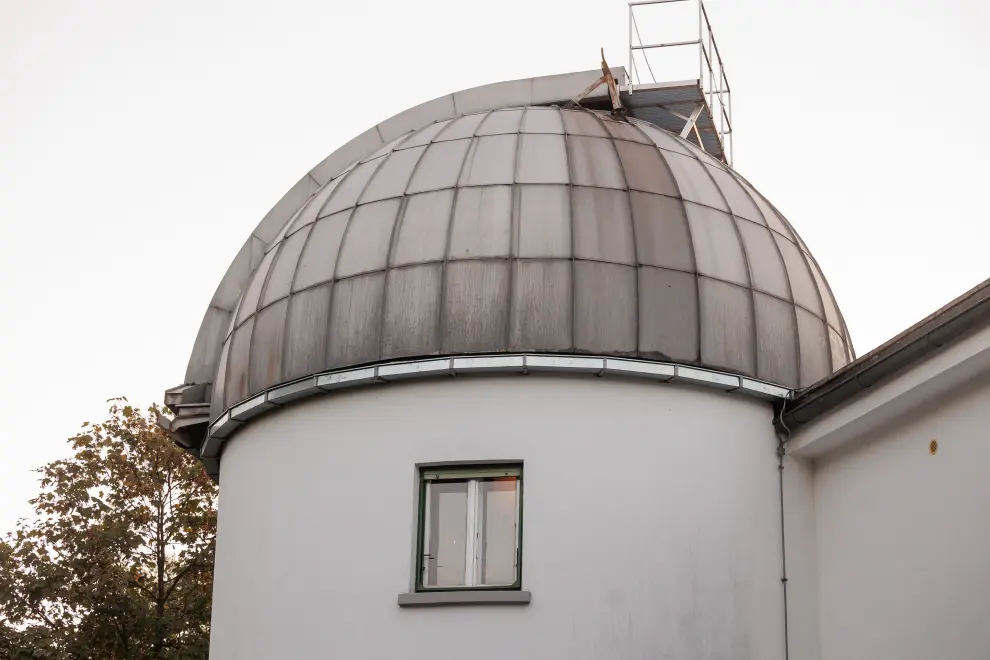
x,y
570,217
400,215
750,191
340,250
749,267
821,300
694,256
442,321
632,225
515,211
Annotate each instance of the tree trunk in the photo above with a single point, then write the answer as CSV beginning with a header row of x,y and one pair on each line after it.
x,y
160,552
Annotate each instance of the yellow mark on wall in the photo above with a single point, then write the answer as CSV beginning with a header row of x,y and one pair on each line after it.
x,y
933,447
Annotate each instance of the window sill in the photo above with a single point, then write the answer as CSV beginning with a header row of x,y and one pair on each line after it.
x,y
440,598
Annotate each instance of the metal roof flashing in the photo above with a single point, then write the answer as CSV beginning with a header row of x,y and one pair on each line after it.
x,y
953,323
223,428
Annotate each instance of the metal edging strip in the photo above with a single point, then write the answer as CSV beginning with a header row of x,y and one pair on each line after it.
x,y
251,408
521,363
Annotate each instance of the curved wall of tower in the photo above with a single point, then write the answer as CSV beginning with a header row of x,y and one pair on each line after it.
x,y
650,523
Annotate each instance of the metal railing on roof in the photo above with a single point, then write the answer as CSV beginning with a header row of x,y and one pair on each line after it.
x,y
712,78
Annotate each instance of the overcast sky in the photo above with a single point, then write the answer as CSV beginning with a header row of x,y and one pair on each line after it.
x,y
140,142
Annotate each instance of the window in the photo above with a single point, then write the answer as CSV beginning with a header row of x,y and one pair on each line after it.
x,y
470,530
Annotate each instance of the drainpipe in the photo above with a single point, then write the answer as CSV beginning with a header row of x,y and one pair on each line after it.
x,y
781,439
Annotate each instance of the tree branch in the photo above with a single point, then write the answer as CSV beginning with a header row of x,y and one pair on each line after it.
x,y
192,563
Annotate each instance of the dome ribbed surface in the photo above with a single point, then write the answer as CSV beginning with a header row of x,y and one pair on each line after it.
x,y
534,230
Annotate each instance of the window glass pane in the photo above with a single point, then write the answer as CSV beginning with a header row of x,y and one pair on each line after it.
x,y
594,163
542,159
582,122
490,160
693,181
439,167
463,127
502,121
498,528
444,551
393,176
542,120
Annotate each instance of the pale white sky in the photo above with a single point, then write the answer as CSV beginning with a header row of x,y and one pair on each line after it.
x,y
141,142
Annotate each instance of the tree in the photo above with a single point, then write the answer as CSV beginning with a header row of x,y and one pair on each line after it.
x,y
118,562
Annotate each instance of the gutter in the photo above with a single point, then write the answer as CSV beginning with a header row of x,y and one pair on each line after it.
x,y
964,314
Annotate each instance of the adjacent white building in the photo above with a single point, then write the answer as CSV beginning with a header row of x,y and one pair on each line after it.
x,y
510,376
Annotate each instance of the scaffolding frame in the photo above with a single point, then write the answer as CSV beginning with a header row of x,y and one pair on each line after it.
x,y
712,81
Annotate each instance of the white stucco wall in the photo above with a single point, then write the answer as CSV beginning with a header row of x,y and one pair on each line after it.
x,y
802,559
904,537
651,523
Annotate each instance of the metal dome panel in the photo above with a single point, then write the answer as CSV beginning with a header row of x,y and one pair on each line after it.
x,y
534,230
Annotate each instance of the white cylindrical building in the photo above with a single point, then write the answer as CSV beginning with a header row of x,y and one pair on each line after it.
x,y
497,379
651,523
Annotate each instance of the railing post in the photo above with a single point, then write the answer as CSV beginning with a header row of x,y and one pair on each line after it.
x,y
630,71
701,47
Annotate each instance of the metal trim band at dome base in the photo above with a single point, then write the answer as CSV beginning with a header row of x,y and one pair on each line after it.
x,y
521,363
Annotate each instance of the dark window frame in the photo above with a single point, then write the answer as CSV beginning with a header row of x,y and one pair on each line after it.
x,y
464,471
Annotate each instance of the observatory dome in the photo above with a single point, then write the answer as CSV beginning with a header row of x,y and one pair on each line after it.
x,y
534,229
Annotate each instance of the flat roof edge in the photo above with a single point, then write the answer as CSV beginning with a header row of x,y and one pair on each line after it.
x,y
967,313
